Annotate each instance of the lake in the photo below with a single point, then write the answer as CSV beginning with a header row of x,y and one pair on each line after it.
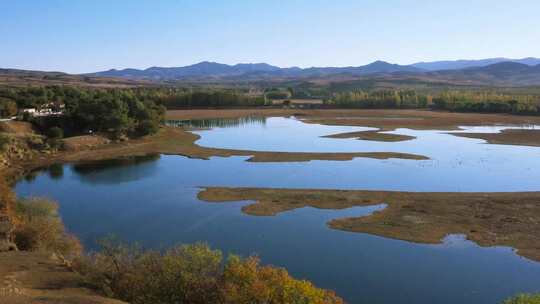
x,y
153,200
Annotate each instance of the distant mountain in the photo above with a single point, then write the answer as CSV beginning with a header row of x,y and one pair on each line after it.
x,y
201,69
522,72
463,64
249,70
382,67
506,73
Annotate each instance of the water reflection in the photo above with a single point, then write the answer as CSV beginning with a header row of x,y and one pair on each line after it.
x,y
56,171
115,171
217,123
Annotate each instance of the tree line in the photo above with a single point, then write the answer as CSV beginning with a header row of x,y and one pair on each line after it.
x,y
12,99
459,101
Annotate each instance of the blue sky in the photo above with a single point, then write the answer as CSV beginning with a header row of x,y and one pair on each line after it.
x,y
79,36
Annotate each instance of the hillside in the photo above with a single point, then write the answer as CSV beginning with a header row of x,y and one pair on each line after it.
x,y
15,77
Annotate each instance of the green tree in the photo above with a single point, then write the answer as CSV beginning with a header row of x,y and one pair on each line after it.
x,y
8,108
55,133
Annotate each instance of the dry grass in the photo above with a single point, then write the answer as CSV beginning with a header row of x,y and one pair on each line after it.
x,y
16,127
508,219
84,142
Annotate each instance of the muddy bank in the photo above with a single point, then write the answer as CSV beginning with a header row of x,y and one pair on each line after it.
x,y
489,219
372,136
507,137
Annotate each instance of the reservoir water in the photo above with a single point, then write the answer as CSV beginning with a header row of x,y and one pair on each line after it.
x,y
153,200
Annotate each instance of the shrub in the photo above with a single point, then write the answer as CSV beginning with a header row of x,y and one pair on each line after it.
x,y
8,108
4,142
524,299
147,127
39,228
55,133
192,274
246,281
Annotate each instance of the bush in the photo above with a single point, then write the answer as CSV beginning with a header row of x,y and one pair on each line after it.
x,y
55,133
8,108
147,127
4,142
246,281
524,299
192,274
39,228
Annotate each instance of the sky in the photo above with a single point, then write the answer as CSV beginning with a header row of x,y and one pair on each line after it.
x,y
79,36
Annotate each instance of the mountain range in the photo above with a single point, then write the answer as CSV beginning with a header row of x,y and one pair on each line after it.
x,y
484,72
494,71
208,69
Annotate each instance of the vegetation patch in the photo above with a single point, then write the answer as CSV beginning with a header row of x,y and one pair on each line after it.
x,y
489,219
507,137
193,274
372,136
524,299
38,227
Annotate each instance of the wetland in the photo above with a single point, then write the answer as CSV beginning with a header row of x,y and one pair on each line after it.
x,y
359,214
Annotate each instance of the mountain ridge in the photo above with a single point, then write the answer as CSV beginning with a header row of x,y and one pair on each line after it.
x,y
506,73
215,70
207,68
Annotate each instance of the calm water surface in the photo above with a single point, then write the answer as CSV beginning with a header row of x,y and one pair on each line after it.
x,y
152,200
